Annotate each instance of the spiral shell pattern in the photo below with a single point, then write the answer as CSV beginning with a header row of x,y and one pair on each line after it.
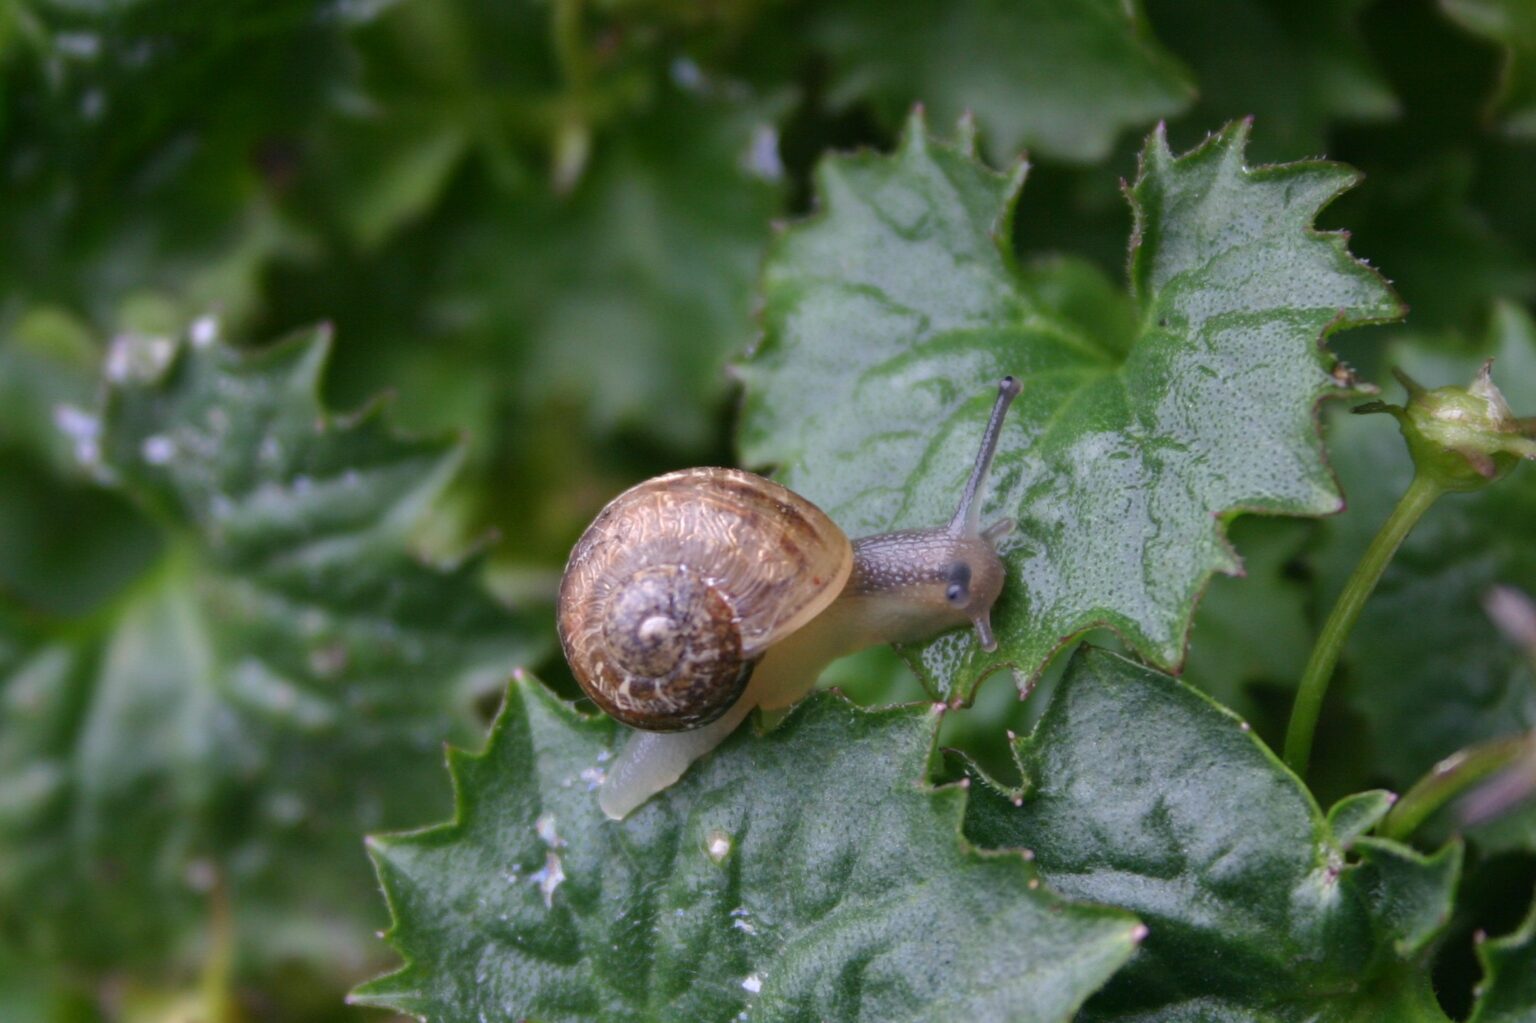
x,y
683,582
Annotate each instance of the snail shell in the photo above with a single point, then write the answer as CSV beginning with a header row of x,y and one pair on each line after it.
x,y
683,582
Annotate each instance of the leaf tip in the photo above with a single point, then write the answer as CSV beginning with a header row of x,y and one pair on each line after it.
x,y
914,132
966,132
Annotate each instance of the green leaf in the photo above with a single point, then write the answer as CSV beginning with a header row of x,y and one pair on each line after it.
x,y
1062,77
1508,991
1141,793
1356,815
144,148
1446,257
67,546
807,874
1253,629
436,81
596,308
1511,24
1427,669
630,295
22,996
889,315
1297,67
278,683
48,365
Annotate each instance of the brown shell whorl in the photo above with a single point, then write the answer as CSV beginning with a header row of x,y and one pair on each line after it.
x,y
682,582
671,640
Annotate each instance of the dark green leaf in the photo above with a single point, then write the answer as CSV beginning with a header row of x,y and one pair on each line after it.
x,y
807,874
1254,628
143,147
1446,257
614,307
277,684
1508,990
436,81
629,295
1141,793
1511,24
66,546
1061,76
889,315
1296,66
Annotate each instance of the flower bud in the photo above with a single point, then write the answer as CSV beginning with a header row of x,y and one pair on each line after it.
x,y
1461,437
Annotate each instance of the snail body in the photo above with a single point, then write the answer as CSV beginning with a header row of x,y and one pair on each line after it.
x,y
698,596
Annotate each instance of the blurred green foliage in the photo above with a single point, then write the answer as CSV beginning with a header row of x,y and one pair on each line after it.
x,y
539,224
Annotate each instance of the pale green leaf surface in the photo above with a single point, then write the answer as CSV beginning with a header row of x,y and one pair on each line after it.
x,y
807,874
1449,680
279,683
1356,815
1141,793
890,314
1061,77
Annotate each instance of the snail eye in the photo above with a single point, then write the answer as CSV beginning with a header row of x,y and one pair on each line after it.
x,y
959,591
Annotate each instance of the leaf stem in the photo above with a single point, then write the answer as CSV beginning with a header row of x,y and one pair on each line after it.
x,y
1421,493
1449,779
214,989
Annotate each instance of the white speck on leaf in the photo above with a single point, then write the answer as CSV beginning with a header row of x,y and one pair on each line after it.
x,y
545,828
549,877
158,449
75,423
205,331
687,75
138,357
753,983
718,843
82,428
761,158
84,45
93,104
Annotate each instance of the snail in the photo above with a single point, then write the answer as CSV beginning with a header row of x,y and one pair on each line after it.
x,y
697,596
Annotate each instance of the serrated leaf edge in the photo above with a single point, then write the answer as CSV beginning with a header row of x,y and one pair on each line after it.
x,y
523,689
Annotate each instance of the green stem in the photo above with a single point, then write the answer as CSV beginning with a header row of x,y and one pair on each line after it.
x,y
1421,493
1449,779
573,135
569,46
